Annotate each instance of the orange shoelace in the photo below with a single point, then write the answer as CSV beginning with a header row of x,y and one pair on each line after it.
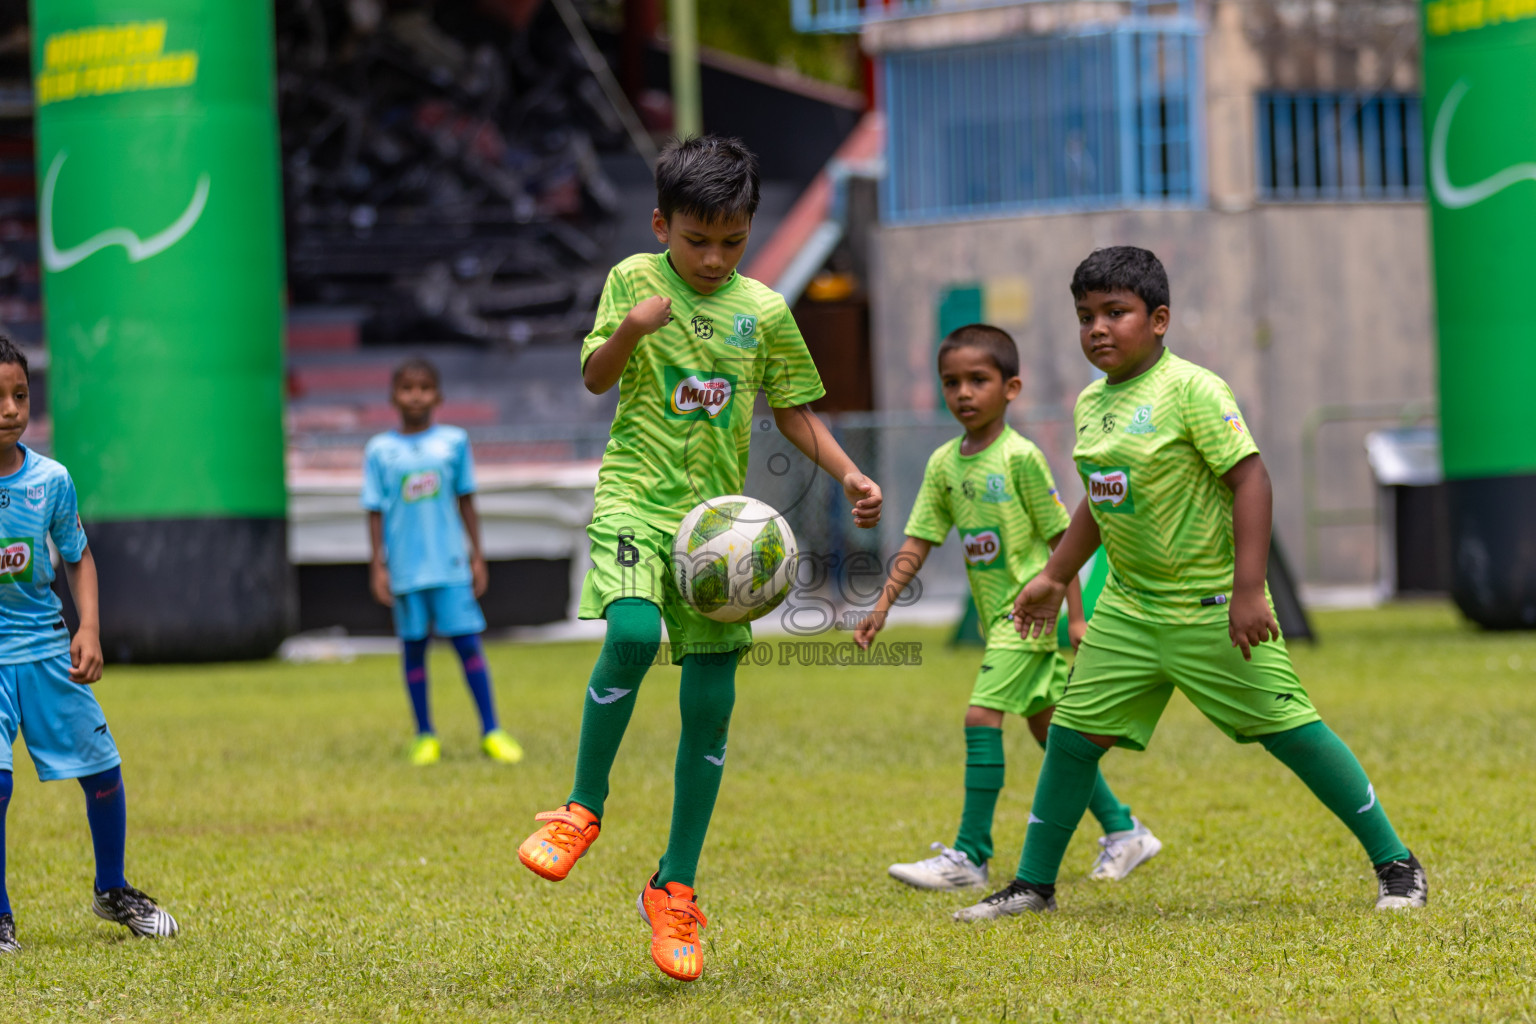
x,y
683,919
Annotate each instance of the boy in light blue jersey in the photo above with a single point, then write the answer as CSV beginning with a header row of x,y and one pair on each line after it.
x,y
419,490
45,675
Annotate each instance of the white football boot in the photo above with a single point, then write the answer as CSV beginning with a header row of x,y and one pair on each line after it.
x,y
949,870
1121,852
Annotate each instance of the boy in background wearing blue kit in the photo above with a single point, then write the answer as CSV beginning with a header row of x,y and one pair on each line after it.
x,y
419,490
45,675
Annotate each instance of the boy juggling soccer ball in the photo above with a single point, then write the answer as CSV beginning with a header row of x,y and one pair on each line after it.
x,y
1181,500
995,488
45,676
419,490
689,342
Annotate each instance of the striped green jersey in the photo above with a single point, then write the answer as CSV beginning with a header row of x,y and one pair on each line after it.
x,y
684,419
1151,452
1003,502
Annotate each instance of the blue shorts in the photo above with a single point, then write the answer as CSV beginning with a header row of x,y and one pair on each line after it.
x,y
446,611
65,729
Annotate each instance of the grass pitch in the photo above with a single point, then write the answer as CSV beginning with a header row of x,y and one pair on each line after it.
x,y
318,877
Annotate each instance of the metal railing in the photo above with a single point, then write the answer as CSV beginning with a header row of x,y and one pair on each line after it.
x,y
1315,518
1339,146
851,15
1105,115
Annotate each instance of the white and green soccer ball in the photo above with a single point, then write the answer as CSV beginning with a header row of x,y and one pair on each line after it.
x,y
733,558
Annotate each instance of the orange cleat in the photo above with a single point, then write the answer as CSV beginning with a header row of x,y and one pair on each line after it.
x,y
553,850
675,920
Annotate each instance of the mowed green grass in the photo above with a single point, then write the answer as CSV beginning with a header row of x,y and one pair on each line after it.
x,y
318,877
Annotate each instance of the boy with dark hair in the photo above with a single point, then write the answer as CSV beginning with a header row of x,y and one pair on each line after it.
x,y
419,490
1182,501
995,488
690,342
45,675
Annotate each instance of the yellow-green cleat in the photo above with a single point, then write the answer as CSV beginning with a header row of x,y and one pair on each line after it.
x,y
501,748
426,750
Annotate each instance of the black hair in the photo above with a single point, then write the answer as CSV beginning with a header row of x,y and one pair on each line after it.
x,y
708,177
1122,268
994,341
10,353
417,364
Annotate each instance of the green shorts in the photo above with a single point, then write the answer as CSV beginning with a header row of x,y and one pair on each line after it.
x,y
1127,669
630,558
1019,682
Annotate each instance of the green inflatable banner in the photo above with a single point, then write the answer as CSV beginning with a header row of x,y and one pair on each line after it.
x,y
159,231
1480,130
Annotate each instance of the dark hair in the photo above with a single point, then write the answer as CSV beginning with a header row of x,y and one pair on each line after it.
x,y
10,353
419,365
1122,268
708,177
995,341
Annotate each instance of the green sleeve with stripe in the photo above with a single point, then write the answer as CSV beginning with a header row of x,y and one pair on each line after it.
x,y
616,302
931,516
789,374
1037,489
1213,423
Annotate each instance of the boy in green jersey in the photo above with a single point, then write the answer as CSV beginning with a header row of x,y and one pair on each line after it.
x,y
689,342
1181,500
995,488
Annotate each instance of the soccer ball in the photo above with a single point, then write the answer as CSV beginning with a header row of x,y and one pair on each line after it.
x,y
733,558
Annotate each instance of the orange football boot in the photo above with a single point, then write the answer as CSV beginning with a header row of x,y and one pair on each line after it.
x,y
553,850
675,920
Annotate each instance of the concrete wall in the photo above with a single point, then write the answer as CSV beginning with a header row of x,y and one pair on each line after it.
x,y
1298,307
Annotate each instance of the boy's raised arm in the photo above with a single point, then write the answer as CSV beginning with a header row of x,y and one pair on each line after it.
x,y
605,365
807,433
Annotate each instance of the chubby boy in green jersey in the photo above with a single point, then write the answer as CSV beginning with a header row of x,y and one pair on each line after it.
x,y
689,342
1181,500
995,488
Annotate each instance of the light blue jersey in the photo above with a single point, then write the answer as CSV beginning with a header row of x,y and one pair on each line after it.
x,y
415,481
36,502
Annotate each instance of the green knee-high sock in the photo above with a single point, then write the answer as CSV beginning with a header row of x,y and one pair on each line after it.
x,y
1111,814
984,768
629,647
1332,772
706,696
1061,796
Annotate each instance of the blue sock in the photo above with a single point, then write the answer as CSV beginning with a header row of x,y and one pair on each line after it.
x,y
5,805
478,677
106,808
414,653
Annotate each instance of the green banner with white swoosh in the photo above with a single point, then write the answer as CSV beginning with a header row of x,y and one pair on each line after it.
x,y
1480,129
160,237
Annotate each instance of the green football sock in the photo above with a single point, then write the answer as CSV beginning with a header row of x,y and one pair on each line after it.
x,y
1066,784
1111,814
984,767
1332,772
706,696
629,647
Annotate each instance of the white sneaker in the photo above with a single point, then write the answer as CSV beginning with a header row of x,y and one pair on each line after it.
x,y
951,869
1121,852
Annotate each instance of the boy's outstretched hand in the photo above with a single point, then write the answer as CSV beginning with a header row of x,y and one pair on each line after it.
x,y
1250,622
1036,608
866,498
378,582
872,623
85,656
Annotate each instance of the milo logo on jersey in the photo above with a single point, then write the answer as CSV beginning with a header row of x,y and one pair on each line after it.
x,y
1109,487
421,486
700,395
16,560
983,547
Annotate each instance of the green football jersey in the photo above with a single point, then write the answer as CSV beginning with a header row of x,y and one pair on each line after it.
x,y
1003,502
1151,452
684,419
